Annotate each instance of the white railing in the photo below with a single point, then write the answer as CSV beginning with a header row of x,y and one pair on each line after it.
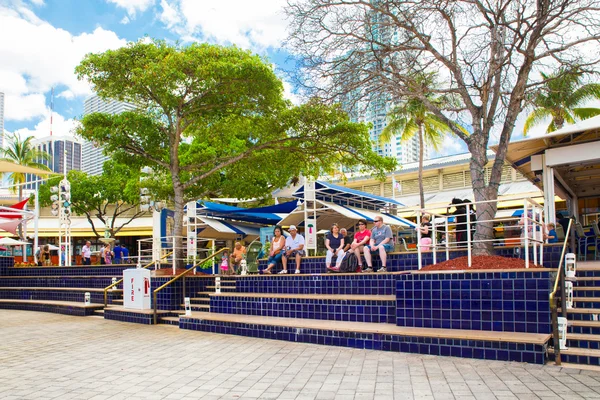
x,y
155,249
461,225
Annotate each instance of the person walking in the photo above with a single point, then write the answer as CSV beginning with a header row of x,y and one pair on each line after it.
x,y
86,253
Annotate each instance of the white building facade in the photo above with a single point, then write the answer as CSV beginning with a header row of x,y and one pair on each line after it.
x,y
92,157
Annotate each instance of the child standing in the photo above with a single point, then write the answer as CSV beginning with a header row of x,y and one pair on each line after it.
x,y
551,236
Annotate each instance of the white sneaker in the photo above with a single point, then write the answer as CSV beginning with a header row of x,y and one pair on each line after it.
x,y
283,271
297,271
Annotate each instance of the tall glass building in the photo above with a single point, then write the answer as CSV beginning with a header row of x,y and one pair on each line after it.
x,y
55,146
92,156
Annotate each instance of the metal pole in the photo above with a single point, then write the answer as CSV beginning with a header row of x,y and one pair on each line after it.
x,y
536,231
419,239
36,223
213,252
468,211
542,231
526,231
434,236
447,238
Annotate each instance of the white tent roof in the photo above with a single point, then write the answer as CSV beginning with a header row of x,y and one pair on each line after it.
x,y
212,228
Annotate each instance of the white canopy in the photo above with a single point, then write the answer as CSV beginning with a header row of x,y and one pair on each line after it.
x,y
5,241
346,217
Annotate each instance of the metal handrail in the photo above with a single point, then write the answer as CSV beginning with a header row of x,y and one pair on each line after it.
x,y
553,303
182,275
106,289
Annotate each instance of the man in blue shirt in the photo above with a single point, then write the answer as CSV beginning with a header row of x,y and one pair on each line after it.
x,y
118,251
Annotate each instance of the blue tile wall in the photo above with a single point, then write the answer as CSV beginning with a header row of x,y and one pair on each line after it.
x,y
91,282
487,350
51,308
5,264
171,297
363,284
490,301
410,262
335,310
136,318
70,271
57,295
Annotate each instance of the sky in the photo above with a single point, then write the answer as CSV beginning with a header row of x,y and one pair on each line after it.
x,y
41,42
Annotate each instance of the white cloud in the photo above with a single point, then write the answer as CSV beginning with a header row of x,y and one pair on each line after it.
x,y
133,6
60,127
24,107
36,56
38,2
451,145
125,20
256,24
169,15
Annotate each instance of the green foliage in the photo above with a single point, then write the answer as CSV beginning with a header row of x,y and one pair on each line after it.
x,y
212,121
561,98
113,194
21,152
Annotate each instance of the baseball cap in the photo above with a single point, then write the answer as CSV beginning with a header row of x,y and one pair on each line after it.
x,y
292,228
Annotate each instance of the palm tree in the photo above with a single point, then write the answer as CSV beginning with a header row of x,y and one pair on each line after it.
x,y
413,118
561,98
21,152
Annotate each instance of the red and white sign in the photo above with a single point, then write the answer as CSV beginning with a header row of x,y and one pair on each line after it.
x,y
137,289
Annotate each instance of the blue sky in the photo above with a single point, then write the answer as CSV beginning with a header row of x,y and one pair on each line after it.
x,y
41,42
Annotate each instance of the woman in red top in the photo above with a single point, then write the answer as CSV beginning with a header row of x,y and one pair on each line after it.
x,y
361,238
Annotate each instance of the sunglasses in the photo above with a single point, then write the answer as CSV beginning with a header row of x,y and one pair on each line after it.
x,y
378,220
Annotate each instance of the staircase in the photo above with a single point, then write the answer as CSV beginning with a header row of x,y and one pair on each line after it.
x,y
583,334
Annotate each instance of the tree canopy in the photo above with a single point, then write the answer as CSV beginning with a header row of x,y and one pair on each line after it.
x,y
212,120
106,197
359,51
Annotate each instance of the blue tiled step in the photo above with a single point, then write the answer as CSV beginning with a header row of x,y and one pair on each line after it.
x,y
586,291
57,307
579,356
119,313
58,281
58,294
114,270
586,302
361,308
584,327
521,347
582,314
355,284
583,341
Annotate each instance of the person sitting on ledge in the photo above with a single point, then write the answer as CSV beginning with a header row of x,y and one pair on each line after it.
x,y
334,241
361,238
381,241
348,239
294,248
277,246
425,229
237,256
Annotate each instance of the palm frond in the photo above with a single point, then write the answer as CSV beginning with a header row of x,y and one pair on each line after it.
x,y
586,112
585,93
536,117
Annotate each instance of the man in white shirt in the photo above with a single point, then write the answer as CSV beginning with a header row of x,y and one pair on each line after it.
x,y
86,253
294,247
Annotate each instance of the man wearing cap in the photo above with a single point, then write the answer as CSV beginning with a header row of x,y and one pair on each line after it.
x,y
294,247
381,242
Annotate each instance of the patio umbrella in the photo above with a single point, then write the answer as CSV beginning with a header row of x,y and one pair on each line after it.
x,y
5,241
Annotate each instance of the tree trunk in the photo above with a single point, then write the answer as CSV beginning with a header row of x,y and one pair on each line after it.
x,y
421,191
178,225
482,192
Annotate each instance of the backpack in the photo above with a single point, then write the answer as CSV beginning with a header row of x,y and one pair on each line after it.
x,y
349,263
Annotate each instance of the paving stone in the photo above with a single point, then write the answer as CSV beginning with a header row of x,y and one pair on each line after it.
x,y
45,356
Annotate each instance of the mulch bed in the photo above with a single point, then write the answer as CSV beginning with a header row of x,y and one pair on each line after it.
x,y
480,262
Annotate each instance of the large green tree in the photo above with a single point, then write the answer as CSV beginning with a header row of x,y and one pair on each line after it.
x,y
213,120
112,197
561,99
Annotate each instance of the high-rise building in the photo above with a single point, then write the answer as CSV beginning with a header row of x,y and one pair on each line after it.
x,y
55,146
1,120
93,158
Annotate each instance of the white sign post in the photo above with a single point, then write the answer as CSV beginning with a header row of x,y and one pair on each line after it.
x,y
310,233
136,289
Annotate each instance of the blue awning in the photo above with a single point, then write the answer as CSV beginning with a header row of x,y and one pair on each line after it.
x,y
269,215
344,196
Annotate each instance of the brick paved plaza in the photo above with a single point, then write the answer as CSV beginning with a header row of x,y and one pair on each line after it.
x,y
56,356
